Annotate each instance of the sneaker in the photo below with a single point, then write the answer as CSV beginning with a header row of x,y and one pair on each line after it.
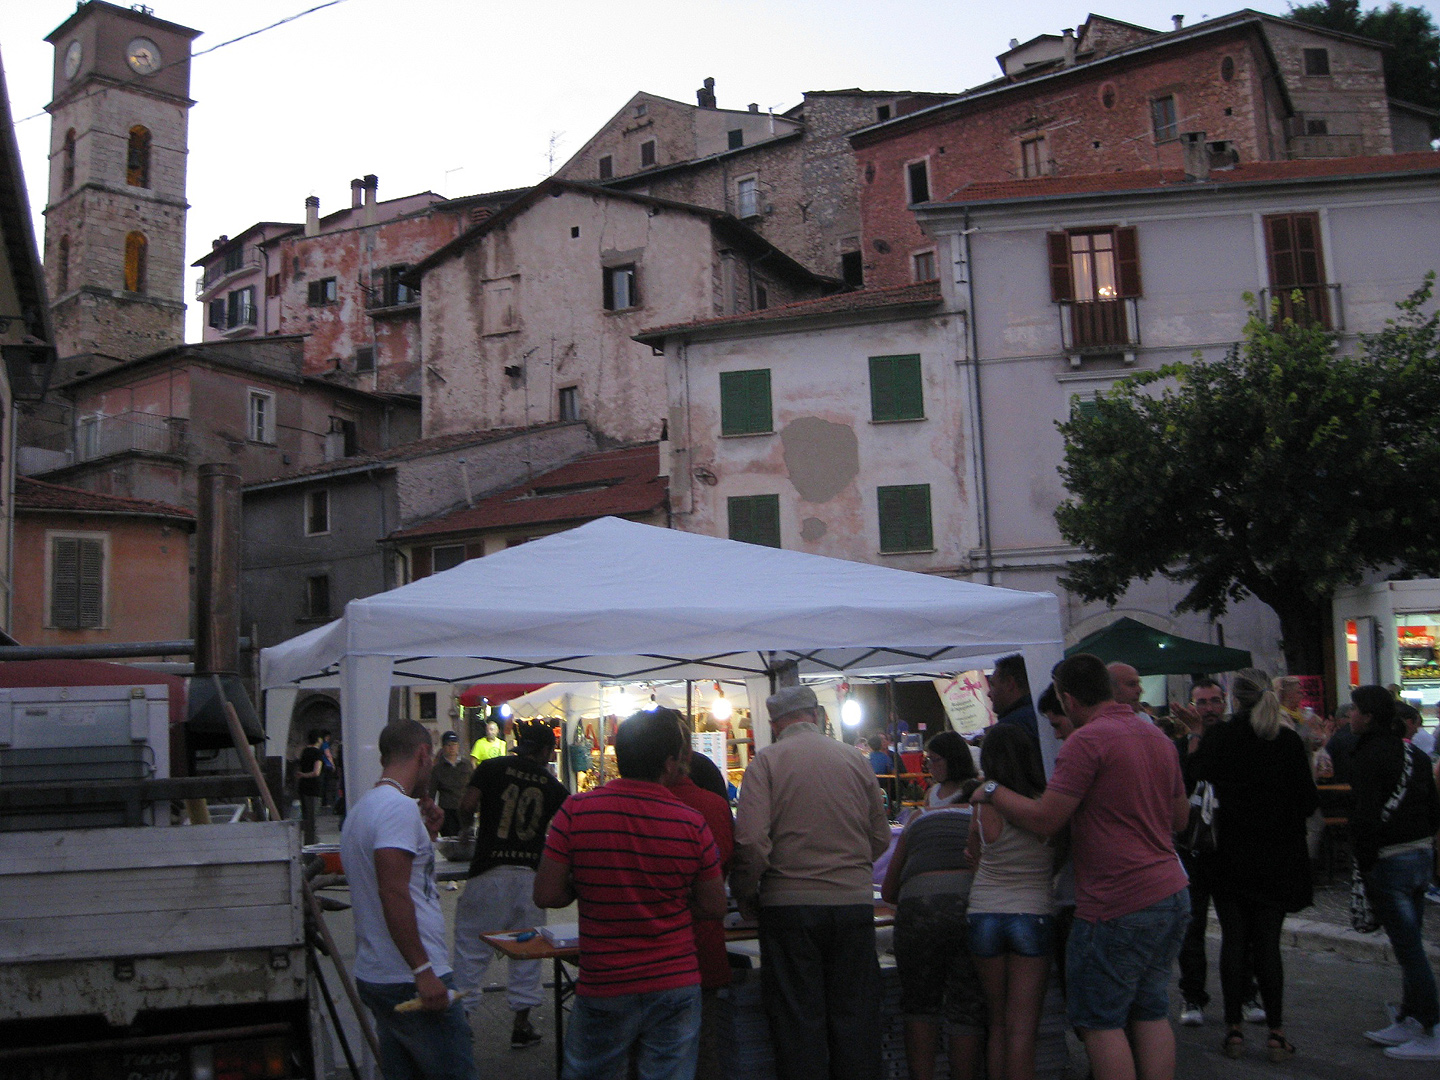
x,y
1253,1012
1433,894
1192,1015
523,1035
1402,1031
1421,1048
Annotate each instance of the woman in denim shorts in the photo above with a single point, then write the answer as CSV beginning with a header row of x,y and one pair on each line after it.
x,y
928,881
1011,916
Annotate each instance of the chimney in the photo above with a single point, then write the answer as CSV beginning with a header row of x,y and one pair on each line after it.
x,y
1179,21
372,185
1014,43
754,106
312,216
357,193
1068,45
219,242
1197,156
706,95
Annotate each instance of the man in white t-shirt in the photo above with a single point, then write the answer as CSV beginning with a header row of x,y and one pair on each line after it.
x,y
400,951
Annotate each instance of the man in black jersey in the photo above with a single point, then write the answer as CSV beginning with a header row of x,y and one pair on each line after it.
x,y
517,797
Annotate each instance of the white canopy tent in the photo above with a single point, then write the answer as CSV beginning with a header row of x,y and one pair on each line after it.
x,y
614,600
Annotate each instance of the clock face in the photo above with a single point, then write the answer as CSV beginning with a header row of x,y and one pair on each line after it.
x,y
143,55
73,54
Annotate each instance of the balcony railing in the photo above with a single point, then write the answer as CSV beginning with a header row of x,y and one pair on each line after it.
x,y
1325,146
1307,304
1099,326
217,272
101,436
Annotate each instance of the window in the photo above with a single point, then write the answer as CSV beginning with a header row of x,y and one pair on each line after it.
x,y
1317,126
745,402
240,308
272,285
924,266
1297,265
317,597
1317,61
136,260
346,434
620,288
425,704
918,174
317,512
447,557
77,582
1096,272
747,197
62,268
641,110
1084,407
905,518
895,388
1032,157
1163,118
137,157
736,138
262,416
89,437
322,292
852,268
216,318
754,519
647,153
762,298
607,167
234,259
500,314
1107,95
365,358
569,401
882,113
574,232
1227,68
67,162
387,290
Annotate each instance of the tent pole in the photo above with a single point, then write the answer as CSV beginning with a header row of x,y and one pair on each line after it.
x,y
689,703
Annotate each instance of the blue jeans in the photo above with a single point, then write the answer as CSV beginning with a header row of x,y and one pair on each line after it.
x,y
1118,970
821,982
418,1045
1396,887
663,1026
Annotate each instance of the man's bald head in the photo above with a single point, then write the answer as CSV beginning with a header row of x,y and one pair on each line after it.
x,y
1124,684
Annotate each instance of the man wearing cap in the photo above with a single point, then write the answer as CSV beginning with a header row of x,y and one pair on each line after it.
x,y
447,783
517,797
810,824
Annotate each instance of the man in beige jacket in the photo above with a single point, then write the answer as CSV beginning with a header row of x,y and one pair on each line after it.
x,y
810,824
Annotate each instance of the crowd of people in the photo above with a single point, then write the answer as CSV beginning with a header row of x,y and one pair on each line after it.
x,y
1097,875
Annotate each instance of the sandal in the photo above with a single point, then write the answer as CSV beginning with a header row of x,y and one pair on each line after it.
x,y
1234,1044
1278,1048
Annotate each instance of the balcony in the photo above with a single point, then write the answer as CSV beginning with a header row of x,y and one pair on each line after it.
x,y
102,436
1325,146
217,273
1089,327
1307,305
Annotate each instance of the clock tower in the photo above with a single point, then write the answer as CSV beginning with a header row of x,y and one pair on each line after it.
x,y
115,213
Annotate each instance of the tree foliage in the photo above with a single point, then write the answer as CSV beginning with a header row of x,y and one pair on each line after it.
x,y
1412,63
1283,470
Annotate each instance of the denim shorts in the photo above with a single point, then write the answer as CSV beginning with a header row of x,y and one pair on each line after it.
x,y
994,934
1118,970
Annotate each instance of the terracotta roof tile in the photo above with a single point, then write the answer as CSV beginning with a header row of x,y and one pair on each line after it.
x,y
610,483
922,294
38,495
1042,187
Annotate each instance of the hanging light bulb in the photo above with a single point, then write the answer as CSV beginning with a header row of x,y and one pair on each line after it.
x,y
624,703
506,712
720,708
851,713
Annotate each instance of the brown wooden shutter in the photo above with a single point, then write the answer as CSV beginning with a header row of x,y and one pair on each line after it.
x,y
1127,261
1062,285
64,583
419,563
1280,245
1309,264
475,549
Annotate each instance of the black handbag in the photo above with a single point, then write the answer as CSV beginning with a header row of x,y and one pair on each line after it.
x,y
1200,835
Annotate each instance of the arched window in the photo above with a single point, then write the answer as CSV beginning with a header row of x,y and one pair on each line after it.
x,y
67,162
62,267
137,158
135,258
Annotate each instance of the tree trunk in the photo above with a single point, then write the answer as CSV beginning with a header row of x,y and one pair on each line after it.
x,y
1302,634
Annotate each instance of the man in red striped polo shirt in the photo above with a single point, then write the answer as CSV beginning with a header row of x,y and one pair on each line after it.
x,y
642,864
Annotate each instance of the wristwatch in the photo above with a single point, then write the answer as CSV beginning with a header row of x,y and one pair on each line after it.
x,y
989,789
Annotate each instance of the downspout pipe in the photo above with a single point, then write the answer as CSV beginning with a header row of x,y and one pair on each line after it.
x,y
972,323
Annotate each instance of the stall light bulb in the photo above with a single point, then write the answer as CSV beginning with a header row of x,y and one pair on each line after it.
x,y
506,712
624,704
851,713
721,709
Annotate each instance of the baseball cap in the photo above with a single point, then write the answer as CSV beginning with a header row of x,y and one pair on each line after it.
x,y
449,736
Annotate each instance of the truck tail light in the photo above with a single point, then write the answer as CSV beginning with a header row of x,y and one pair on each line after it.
x,y
246,1059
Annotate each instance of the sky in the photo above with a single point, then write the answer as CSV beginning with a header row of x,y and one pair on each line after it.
x,y
460,96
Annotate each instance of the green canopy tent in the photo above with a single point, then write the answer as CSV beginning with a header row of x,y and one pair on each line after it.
x,y
1154,652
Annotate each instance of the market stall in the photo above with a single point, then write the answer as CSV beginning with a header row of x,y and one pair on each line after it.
x,y
615,601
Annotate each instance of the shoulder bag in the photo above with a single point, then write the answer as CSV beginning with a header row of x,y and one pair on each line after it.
x,y
1362,916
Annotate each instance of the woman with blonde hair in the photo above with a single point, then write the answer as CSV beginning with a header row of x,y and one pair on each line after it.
x,y
1261,869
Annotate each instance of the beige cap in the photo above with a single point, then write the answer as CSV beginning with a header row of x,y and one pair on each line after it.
x,y
791,699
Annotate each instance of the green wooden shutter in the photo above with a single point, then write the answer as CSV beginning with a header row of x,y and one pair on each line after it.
x,y
65,583
896,392
745,402
91,583
754,519
905,518
882,388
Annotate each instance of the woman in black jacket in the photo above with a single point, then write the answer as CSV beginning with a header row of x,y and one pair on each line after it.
x,y
1260,869
1393,826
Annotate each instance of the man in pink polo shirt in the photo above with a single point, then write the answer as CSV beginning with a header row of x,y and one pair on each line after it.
x,y
1117,782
